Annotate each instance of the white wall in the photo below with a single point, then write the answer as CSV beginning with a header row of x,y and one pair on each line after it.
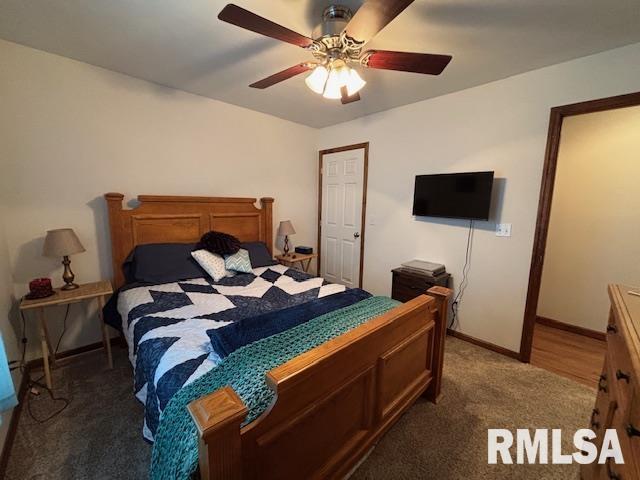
x,y
594,231
70,132
500,126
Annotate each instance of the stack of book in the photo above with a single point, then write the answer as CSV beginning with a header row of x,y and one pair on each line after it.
x,y
421,267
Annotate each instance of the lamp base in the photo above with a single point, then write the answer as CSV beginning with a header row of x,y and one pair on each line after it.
x,y
68,275
286,245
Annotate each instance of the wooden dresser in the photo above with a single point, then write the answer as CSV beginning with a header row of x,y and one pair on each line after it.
x,y
407,284
618,401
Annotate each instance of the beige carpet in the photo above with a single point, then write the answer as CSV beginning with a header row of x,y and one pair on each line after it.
x,y
481,390
99,435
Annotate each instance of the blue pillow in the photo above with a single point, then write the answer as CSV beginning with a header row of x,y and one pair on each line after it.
x,y
162,263
259,254
238,262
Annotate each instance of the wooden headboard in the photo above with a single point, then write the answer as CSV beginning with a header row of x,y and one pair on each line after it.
x,y
166,219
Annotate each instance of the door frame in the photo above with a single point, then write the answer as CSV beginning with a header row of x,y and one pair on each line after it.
x,y
546,195
365,175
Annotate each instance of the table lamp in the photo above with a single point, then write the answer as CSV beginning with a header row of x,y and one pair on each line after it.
x,y
284,230
62,243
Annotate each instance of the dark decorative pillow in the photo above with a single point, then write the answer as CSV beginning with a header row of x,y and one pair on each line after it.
x,y
259,254
219,243
161,263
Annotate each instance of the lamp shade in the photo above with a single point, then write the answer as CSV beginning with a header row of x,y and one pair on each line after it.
x,y
286,228
61,242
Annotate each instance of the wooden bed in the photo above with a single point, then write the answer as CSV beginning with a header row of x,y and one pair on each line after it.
x,y
332,402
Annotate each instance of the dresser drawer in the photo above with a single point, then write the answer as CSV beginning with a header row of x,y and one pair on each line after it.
x,y
602,414
404,294
630,447
407,286
634,457
411,282
622,378
613,471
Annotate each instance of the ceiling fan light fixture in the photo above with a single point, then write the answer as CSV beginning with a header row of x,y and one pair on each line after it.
x,y
342,72
318,79
337,79
354,83
340,75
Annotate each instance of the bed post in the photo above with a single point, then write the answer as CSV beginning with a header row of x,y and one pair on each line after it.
x,y
441,295
218,417
267,205
114,204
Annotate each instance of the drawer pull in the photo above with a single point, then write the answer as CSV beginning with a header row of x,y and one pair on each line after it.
x,y
632,431
594,413
620,375
612,329
612,475
602,386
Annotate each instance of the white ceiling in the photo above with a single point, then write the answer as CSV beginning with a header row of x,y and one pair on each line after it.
x,y
182,44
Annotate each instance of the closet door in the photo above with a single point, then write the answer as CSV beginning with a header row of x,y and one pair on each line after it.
x,y
343,194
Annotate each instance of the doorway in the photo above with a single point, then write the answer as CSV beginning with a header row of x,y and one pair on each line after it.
x,y
586,255
342,204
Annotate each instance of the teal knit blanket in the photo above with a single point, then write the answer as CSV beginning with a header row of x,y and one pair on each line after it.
x,y
175,451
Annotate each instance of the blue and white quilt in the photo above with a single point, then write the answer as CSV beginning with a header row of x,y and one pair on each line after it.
x,y
166,325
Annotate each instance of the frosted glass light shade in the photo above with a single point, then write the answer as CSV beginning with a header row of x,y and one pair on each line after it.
x,y
342,76
332,90
342,72
329,82
317,80
354,82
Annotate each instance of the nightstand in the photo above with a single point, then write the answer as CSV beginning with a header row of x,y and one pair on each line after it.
x,y
408,284
88,291
292,258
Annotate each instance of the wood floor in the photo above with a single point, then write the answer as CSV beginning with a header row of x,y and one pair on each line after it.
x,y
568,354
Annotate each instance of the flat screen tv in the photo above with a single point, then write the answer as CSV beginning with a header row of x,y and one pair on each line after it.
x,y
453,195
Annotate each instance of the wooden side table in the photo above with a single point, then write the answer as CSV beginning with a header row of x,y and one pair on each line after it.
x,y
292,258
88,291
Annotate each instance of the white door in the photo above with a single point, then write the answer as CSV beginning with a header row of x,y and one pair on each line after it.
x,y
341,216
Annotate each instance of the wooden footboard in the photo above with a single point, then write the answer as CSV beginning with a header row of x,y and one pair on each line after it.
x,y
332,402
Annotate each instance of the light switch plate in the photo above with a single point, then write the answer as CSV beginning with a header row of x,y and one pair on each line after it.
x,y
503,230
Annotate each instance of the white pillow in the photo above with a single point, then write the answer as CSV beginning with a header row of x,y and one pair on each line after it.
x,y
213,264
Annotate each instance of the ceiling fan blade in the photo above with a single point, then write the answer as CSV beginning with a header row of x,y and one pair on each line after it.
x,y
281,76
245,19
345,99
428,63
372,17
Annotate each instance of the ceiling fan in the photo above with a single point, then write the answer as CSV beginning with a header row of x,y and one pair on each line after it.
x,y
337,43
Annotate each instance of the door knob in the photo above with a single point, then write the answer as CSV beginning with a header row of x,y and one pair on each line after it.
x,y
356,235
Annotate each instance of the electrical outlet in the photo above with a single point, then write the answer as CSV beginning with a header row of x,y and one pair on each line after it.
x,y
503,230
